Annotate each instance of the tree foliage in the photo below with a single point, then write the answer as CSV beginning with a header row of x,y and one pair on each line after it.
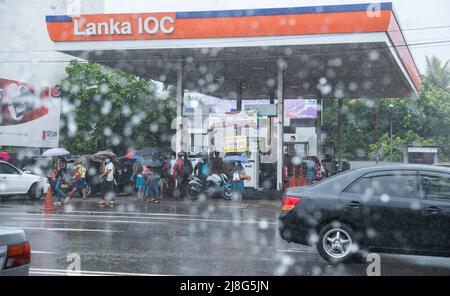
x,y
421,121
108,109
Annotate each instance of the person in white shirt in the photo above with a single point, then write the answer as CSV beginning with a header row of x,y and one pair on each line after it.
x,y
108,183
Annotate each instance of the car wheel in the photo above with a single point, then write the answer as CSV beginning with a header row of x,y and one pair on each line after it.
x,y
36,192
336,243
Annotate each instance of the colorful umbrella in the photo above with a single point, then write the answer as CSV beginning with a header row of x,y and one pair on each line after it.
x,y
132,154
5,156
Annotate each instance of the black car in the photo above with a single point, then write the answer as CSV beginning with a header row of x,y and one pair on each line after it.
x,y
392,209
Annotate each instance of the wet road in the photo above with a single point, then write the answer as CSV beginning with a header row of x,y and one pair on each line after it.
x,y
213,237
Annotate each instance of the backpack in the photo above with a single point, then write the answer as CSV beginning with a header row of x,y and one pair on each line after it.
x,y
187,167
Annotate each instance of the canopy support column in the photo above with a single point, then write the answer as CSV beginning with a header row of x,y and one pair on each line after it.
x,y
180,96
280,125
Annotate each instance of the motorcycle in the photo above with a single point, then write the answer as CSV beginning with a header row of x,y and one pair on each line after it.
x,y
213,184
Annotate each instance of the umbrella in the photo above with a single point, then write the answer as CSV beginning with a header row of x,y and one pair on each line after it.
x,y
236,158
132,154
84,159
102,155
56,152
149,151
151,161
5,156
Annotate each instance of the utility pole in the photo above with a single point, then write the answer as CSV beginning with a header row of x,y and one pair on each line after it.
x,y
391,107
341,133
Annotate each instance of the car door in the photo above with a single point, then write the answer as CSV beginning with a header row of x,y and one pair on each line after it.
x,y
390,204
435,189
10,182
395,210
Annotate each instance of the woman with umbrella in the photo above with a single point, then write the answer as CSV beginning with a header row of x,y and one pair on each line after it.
x,y
238,175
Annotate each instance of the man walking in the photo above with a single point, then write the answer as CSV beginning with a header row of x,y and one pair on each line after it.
x,y
108,183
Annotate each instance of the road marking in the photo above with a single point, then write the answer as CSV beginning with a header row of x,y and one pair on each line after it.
x,y
68,229
160,218
42,252
130,213
87,272
298,251
86,220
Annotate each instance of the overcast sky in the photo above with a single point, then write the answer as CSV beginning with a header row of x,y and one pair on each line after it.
x,y
415,16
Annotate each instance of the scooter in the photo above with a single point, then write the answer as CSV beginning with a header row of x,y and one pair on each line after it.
x,y
214,184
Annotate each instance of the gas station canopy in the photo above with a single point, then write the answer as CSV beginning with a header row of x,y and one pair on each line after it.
x,y
339,51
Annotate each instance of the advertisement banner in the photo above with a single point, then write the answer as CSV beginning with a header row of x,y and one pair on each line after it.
x,y
235,144
295,109
28,118
234,119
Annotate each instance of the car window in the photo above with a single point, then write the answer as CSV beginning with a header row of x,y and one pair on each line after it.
x,y
395,185
7,169
360,186
436,186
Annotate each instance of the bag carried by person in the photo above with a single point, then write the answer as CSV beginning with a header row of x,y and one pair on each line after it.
x,y
236,176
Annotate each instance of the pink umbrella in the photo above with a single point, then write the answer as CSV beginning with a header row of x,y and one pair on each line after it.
x,y
5,156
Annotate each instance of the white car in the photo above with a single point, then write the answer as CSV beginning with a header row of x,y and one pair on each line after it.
x,y
15,182
15,252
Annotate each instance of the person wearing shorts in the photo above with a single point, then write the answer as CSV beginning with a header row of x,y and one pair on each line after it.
x,y
80,182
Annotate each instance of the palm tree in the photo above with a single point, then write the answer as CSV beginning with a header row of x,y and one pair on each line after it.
x,y
437,73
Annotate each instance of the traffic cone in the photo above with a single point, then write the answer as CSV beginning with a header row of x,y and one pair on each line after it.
x,y
48,205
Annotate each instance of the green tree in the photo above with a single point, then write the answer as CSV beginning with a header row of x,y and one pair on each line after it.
x,y
438,72
109,109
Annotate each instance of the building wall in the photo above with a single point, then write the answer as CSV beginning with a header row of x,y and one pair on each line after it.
x,y
26,52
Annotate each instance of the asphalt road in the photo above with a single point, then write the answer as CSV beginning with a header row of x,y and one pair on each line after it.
x,y
213,237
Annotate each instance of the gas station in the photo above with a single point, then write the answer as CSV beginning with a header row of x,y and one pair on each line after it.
x,y
263,73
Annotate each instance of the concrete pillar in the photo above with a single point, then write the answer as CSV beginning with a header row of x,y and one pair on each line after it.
x,y
180,96
280,125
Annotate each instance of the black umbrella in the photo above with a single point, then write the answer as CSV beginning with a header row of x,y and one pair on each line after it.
x,y
84,159
150,161
102,155
149,151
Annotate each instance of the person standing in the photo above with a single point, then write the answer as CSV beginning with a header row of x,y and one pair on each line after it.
x,y
238,177
146,171
140,185
60,177
311,171
108,183
178,175
154,186
217,166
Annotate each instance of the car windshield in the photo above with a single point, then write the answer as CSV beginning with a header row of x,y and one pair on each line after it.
x,y
174,135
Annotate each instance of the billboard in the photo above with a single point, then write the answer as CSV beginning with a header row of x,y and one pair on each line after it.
x,y
235,144
295,109
28,117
